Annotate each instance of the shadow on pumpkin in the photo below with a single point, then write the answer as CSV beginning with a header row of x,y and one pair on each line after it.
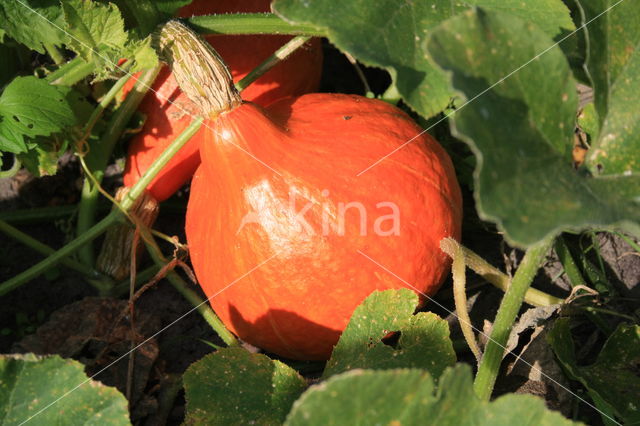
x,y
286,334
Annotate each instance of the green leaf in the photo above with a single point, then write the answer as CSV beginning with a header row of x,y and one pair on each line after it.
x,y
520,125
31,107
142,15
233,386
42,158
588,120
170,7
387,35
31,22
551,16
613,64
58,387
613,379
408,396
142,54
424,338
390,34
97,30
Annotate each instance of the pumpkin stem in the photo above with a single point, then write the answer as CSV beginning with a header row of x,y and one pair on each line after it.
x,y
115,257
199,70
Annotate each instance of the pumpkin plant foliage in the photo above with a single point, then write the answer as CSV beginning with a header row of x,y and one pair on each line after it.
x,y
612,380
520,125
233,386
423,340
42,391
614,66
378,384
31,107
405,395
391,34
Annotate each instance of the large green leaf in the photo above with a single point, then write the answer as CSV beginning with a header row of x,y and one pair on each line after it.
x,y
408,396
423,343
519,122
233,386
97,30
390,34
614,67
31,107
31,22
613,379
55,391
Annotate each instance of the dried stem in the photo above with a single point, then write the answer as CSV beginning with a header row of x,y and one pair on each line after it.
x,y
199,70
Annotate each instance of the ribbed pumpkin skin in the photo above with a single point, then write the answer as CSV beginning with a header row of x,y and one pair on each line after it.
x,y
290,287
297,75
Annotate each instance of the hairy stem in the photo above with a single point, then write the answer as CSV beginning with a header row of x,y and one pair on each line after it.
x,y
41,214
15,167
100,153
511,303
95,278
250,23
201,305
71,72
494,276
113,217
568,263
460,298
104,103
59,255
277,57
54,52
162,160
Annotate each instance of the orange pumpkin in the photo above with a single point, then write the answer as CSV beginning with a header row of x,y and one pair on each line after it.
x,y
279,225
169,111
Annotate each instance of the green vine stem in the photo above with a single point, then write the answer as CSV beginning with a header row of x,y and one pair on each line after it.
x,y
576,279
71,72
162,160
628,240
201,305
112,218
494,276
278,56
55,53
42,214
15,167
100,153
511,303
250,23
145,13
104,103
95,278
568,263
458,269
203,308
59,255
